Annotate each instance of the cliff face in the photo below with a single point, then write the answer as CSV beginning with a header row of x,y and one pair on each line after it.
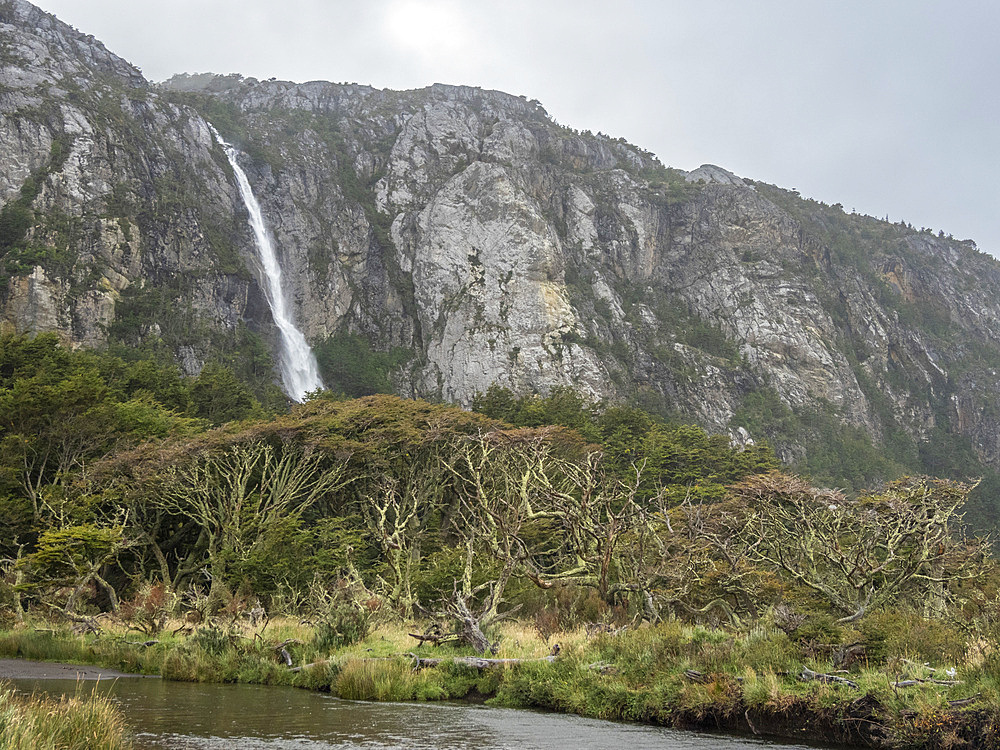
x,y
114,200
465,227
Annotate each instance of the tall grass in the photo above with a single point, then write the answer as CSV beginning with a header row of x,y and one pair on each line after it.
x,y
80,722
64,646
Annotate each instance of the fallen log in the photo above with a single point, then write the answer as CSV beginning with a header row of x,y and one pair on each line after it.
x,y
311,664
476,662
964,701
604,667
282,652
919,681
807,674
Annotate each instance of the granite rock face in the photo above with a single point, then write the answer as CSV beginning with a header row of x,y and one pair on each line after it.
x,y
496,246
124,195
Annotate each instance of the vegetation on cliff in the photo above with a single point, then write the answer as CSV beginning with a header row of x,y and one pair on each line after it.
x,y
687,580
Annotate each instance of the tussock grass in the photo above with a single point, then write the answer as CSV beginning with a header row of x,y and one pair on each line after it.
x,y
80,722
388,680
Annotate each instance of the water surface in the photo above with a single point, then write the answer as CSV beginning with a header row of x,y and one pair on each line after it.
x,y
190,716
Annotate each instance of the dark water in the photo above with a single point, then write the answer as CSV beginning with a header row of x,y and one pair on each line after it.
x,y
248,717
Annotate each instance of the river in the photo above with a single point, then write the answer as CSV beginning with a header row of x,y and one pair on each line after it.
x,y
190,716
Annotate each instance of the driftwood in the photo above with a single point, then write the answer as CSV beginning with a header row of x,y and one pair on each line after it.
x,y
436,638
81,624
964,701
283,652
311,664
925,665
846,655
919,681
695,676
807,674
604,667
476,662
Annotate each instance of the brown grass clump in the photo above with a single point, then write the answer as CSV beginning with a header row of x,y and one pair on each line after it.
x,y
80,722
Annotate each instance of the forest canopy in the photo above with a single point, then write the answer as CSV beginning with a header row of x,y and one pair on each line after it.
x,y
119,476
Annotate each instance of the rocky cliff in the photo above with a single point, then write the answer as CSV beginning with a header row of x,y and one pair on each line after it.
x,y
481,243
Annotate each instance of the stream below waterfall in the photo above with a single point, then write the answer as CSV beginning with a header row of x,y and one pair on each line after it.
x,y
192,716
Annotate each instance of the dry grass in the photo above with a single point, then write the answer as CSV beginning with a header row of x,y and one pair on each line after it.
x,y
80,722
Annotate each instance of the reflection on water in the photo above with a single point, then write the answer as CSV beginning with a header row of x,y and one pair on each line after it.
x,y
226,717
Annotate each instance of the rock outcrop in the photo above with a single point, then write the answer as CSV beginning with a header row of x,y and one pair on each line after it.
x,y
495,246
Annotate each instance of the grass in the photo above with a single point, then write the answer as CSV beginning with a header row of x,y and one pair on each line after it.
x,y
745,681
80,722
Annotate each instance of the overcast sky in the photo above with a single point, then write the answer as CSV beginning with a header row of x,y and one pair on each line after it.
x,y
888,107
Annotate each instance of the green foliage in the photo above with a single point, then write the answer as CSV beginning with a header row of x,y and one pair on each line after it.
x,y
218,396
682,456
818,627
836,454
350,366
292,555
341,625
901,633
151,323
8,605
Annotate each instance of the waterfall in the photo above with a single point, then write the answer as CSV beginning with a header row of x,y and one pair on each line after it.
x,y
299,373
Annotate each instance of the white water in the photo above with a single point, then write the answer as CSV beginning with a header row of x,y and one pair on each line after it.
x,y
299,372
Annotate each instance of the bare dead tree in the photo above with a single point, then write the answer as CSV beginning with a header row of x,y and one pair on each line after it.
x,y
553,520
685,558
394,510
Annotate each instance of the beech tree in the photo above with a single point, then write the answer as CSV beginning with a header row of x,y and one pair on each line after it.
x,y
239,495
552,519
72,558
858,554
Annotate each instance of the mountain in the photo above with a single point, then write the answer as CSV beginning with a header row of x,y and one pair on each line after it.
x,y
443,240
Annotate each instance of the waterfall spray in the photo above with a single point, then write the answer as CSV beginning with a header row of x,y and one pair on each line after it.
x,y
299,373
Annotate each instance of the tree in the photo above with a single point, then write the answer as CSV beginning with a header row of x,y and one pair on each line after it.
x,y
904,542
73,557
218,396
553,519
240,495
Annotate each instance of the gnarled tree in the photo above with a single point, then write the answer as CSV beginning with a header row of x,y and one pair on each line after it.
x,y
903,543
237,495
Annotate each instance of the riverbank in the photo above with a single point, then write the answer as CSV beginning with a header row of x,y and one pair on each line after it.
x,y
77,722
26,669
670,675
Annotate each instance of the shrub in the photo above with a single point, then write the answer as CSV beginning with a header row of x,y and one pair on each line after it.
x,y
901,634
148,609
8,605
211,640
818,628
342,625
